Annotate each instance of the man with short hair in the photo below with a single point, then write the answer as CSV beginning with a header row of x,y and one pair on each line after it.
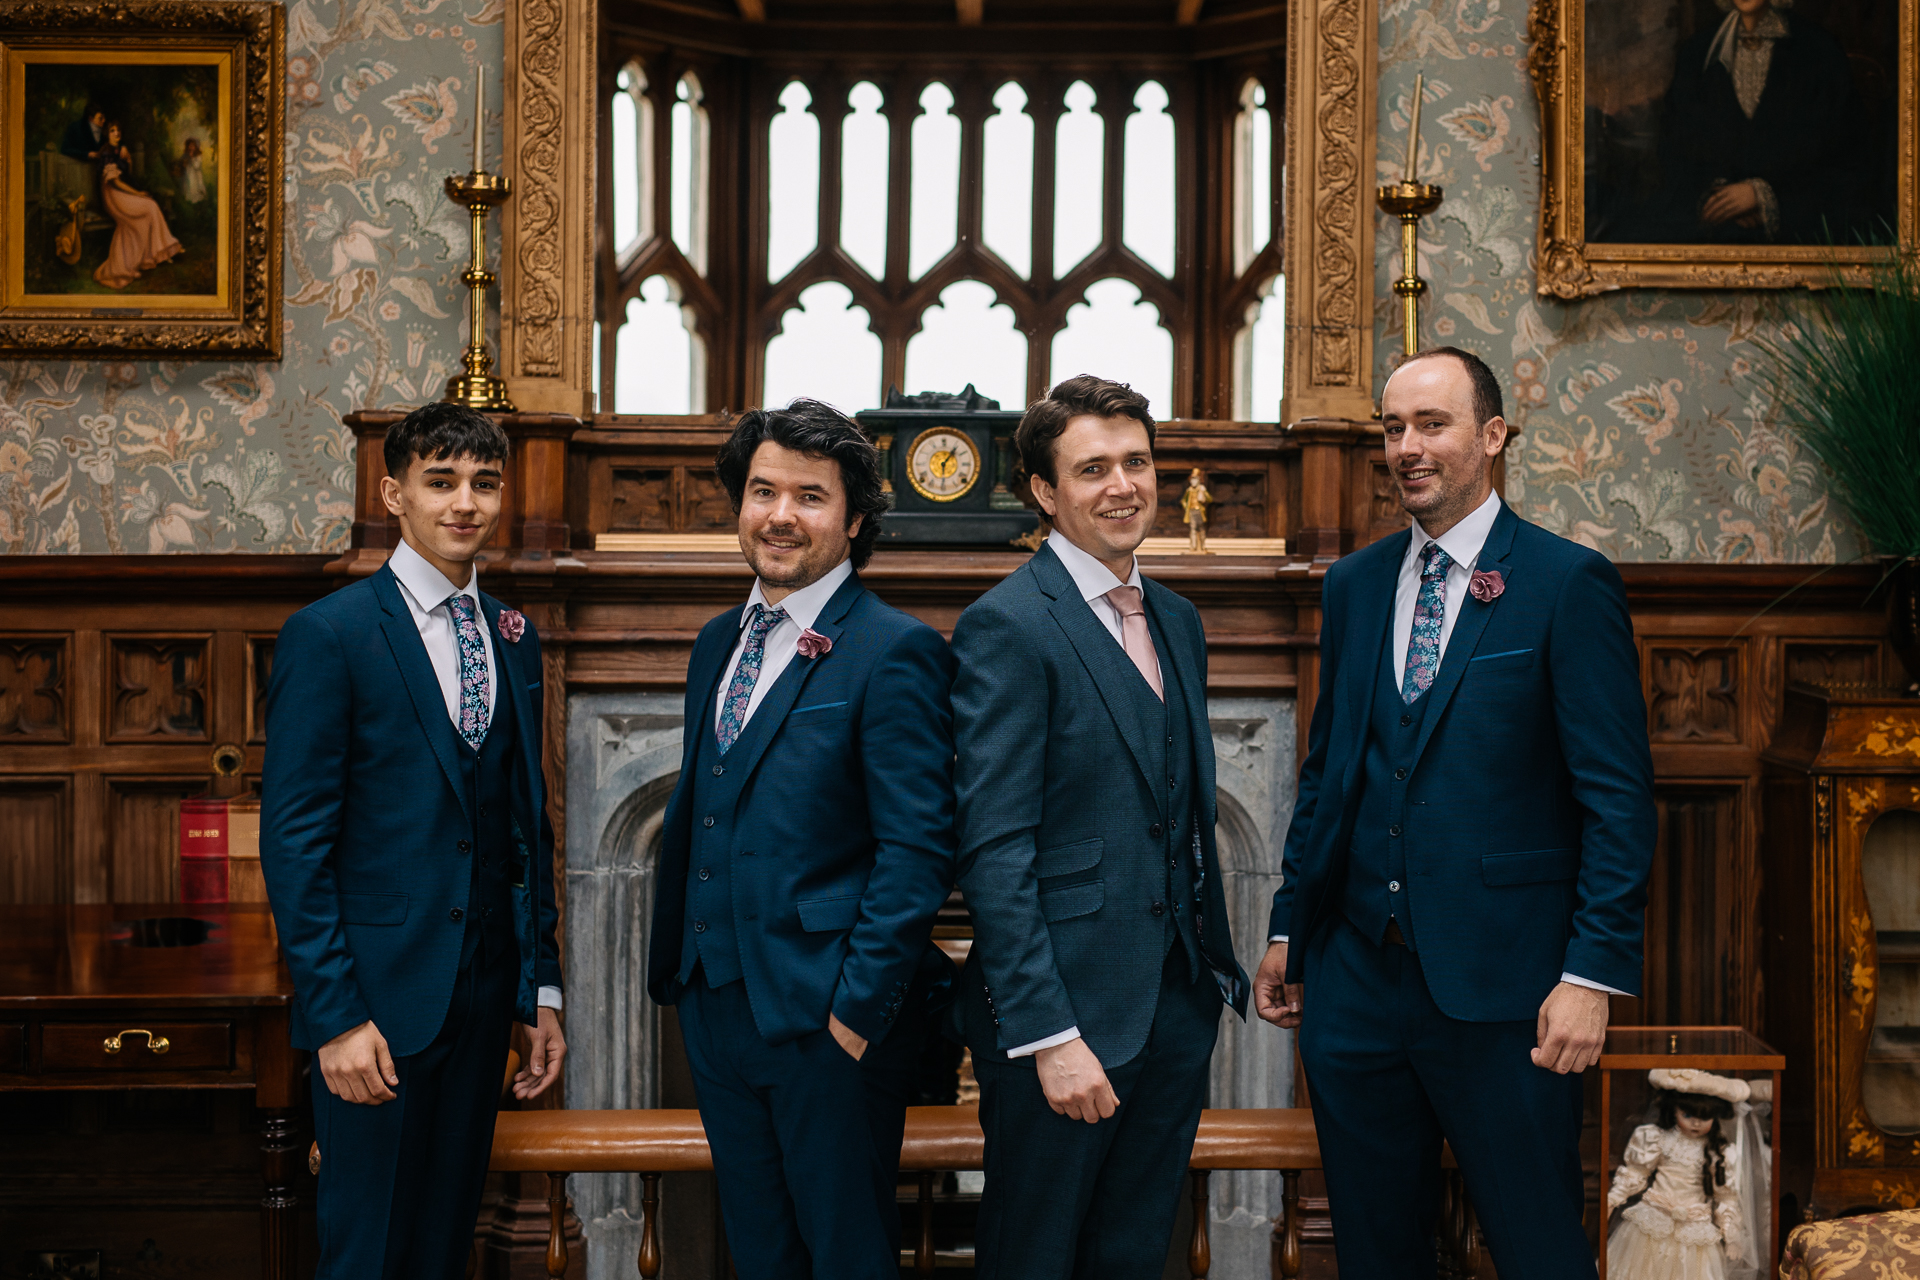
x,y
1101,952
1465,874
804,854
86,138
408,855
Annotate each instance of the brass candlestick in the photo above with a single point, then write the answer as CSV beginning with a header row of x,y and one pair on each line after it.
x,y
1409,201
477,388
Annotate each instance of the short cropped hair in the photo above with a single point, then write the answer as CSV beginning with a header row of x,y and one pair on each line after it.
x,y
1487,403
819,431
441,430
1044,420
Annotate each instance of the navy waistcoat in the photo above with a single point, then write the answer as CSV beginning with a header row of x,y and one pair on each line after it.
x,y
707,933
1171,750
488,775
1377,863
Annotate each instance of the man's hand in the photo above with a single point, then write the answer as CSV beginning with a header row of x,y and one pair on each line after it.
x,y
1572,1027
357,1066
1075,1083
546,1050
1274,998
844,1036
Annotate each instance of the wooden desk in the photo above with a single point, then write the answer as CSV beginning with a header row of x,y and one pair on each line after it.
x,y
75,983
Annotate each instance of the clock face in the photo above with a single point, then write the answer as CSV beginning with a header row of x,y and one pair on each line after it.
x,y
942,464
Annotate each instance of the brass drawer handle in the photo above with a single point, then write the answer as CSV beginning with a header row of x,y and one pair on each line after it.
x,y
155,1043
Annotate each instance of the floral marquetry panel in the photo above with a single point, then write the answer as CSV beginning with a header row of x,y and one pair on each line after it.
x,y
160,688
33,688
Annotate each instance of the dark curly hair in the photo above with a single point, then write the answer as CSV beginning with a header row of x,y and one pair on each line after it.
x,y
1700,1106
819,431
441,430
1044,420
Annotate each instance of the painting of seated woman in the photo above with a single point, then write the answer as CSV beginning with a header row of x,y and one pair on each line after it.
x,y
1741,122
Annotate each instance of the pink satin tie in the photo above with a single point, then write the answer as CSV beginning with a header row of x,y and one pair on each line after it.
x,y
1134,636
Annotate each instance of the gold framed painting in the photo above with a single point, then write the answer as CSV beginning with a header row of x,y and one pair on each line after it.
x,y
140,175
1723,143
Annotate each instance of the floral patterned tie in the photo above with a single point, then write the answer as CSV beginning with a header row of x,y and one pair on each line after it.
x,y
733,711
1429,611
474,708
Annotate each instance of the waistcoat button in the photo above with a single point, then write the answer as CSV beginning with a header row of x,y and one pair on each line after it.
x,y
1158,908
1154,831
719,769
1394,830
709,821
456,915
699,926
1405,721
1393,886
1399,775
705,874
464,847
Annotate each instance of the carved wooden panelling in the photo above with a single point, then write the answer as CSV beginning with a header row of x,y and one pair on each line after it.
x,y
1699,929
705,507
259,676
143,837
1833,663
159,689
1238,509
669,500
34,846
33,688
1693,694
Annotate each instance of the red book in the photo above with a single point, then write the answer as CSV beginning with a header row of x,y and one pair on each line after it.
x,y
203,849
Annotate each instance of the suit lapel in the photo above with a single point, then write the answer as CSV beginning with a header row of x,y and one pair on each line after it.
x,y
1467,631
1106,662
513,685
1372,623
772,711
423,687
703,674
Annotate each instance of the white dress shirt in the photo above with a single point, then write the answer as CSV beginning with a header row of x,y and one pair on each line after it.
x,y
427,591
1093,580
803,610
1462,543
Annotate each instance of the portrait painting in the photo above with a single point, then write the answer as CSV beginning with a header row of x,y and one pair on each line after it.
x,y
1723,143
135,218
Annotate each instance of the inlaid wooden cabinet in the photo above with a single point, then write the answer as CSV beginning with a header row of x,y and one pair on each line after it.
x,y
1842,814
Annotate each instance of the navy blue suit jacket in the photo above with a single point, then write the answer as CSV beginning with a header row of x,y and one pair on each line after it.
x,y
366,825
1530,816
848,809
1057,803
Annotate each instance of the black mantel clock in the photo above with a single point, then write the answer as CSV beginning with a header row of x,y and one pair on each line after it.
x,y
948,459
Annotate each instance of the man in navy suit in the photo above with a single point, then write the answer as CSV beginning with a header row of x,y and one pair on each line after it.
x,y
1467,865
1101,953
404,836
806,849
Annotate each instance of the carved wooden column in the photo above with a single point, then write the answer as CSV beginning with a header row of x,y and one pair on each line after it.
x,y
375,533
538,524
1324,449
546,234
1331,51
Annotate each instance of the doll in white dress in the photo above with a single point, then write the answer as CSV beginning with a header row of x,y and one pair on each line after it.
x,y
1681,1185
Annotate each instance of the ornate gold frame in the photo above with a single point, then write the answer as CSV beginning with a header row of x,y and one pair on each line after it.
x,y
1570,267
249,37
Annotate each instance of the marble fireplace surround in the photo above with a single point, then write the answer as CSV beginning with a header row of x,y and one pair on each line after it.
x,y
624,749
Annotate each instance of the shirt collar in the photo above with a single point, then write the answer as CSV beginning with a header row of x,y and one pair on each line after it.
x,y
1462,543
1092,578
803,606
427,586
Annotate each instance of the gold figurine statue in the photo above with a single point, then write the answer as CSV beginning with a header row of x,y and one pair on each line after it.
x,y
1194,502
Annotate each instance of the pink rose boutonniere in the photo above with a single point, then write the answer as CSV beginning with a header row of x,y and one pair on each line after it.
x,y
812,644
513,625
1486,585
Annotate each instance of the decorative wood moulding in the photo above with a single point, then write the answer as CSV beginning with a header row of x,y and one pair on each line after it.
x,y
546,300
1331,52
33,688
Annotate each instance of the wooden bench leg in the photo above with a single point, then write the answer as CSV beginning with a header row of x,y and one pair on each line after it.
x,y
1200,1249
923,1252
556,1225
649,1262
1286,1232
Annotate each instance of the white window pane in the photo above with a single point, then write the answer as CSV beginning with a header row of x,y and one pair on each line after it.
x,y
935,219
1146,223
596,363
1116,334
967,337
1262,176
689,168
656,354
1252,176
863,180
1079,163
825,351
793,164
1006,220
1259,357
626,168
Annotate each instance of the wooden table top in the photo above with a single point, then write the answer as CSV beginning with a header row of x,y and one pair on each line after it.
x,y
75,957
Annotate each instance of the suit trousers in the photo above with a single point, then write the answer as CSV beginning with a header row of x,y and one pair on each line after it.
x,y
805,1140
1068,1200
1390,1075
400,1183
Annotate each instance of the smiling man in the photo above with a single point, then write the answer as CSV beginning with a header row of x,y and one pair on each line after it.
x,y
1085,778
407,852
1466,869
805,851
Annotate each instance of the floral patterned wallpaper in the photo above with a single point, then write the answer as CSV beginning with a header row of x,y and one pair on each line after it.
x,y
148,456
1649,432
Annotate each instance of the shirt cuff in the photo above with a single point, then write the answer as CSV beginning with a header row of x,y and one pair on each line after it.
x,y
1278,937
1027,1050
549,998
1591,985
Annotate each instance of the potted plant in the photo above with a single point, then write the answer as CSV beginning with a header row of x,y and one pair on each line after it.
x,y
1848,377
